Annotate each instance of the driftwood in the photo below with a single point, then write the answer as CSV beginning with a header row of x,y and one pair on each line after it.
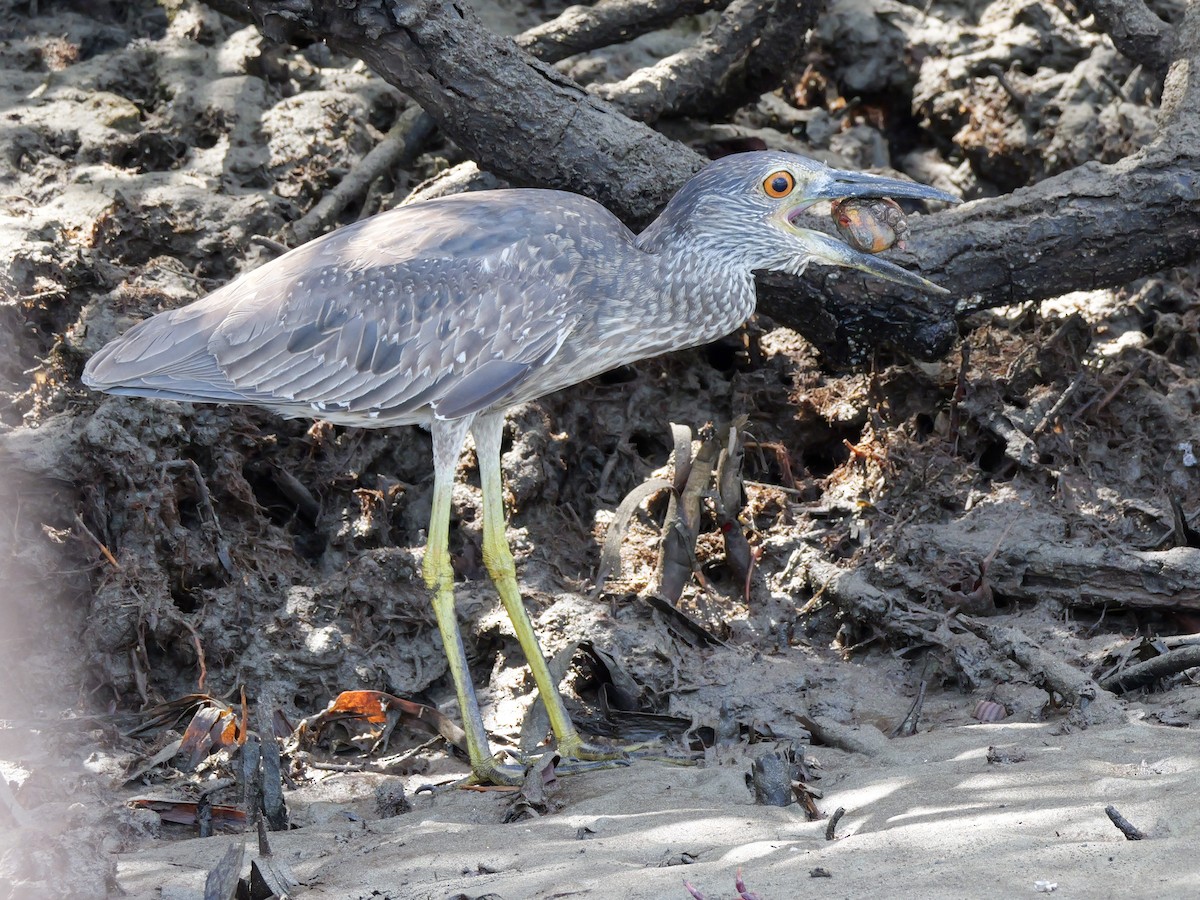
x,y
890,611
1075,574
1146,673
582,28
1090,703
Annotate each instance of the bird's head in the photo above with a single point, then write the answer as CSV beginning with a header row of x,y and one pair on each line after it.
x,y
748,209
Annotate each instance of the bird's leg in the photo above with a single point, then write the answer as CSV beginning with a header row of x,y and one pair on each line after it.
x,y
488,430
448,440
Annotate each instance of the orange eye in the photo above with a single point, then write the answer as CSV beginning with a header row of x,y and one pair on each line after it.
x,y
779,184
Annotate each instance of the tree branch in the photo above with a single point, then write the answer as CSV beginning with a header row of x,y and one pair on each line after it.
x,y
737,59
582,28
530,124
1135,31
1092,227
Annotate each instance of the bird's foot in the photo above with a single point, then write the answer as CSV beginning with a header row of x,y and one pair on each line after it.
x,y
493,774
574,758
600,750
574,747
489,773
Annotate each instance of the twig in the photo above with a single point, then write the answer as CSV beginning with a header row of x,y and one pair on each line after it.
x,y
223,554
1063,399
960,394
908,725
270,243
199,656
1120,386
582,28
99,543
833,822
401,142
1152,670
766,486
1126,827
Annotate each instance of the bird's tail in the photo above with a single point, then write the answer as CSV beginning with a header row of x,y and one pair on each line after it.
x,y
167,357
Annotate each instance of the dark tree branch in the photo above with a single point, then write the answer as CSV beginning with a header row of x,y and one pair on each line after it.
x,y
737,59
528,123
399,145
1095,226
583,28
1135,31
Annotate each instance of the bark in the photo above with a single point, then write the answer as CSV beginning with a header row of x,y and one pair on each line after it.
x,y
582,28
1135,30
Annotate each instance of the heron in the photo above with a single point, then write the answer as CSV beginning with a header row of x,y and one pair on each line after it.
x,y
447,313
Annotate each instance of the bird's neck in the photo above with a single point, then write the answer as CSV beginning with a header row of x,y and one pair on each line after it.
x,y
706,297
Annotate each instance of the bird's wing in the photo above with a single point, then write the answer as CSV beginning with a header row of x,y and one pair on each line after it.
x,y
450,304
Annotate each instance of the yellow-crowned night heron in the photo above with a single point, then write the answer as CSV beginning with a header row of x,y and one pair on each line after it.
x,y
447,313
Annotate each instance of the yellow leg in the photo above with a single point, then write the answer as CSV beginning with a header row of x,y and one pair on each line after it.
x,y
439,578
488,430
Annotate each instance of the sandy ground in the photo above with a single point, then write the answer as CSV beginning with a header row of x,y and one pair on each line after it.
x,y
931,817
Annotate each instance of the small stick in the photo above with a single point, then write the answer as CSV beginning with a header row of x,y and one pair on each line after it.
x,y
1057,408
960,394
100,544
400,143
833,822
199,656
1108,398
1126,827
1144,673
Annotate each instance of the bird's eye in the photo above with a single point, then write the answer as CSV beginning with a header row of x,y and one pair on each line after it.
x,y
779,184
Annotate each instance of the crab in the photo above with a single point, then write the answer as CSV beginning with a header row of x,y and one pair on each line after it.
x,y
870,225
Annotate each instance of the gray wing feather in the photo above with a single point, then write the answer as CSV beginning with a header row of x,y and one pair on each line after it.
x,y
389,324
166,356
450,304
